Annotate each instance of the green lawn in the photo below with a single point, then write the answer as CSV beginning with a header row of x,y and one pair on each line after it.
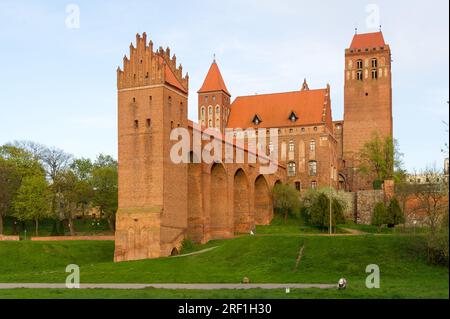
x,y
405,272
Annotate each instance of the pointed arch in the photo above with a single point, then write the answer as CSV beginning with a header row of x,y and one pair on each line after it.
x,y
241,201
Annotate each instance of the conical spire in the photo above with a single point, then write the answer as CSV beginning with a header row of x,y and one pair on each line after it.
x,y
214,80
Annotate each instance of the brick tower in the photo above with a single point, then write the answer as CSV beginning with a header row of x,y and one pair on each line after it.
x,y
214,100
152,99
367,99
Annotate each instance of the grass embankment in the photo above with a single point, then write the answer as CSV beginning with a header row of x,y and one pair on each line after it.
x,y
405,272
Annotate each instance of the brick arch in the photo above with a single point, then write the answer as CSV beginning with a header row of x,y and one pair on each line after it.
x,y
218,219
263,201
241,202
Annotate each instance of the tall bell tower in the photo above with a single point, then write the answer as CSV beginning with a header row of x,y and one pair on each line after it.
x,y
152,100
367,99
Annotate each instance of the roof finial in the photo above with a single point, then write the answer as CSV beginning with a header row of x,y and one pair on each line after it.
x,y
356,30
214,58
380,27
305,86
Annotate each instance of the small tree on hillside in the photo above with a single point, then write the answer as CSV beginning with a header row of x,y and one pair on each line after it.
x,y
285,199
394,213
379,215
318,206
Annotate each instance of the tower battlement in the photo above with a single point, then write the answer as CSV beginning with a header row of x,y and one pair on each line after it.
x,y
146,67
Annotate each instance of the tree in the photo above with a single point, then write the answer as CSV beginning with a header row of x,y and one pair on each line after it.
x,y
317,206
9,184
16,164
380,158
285,198
379,215
32,200
104,183
394,213
432,196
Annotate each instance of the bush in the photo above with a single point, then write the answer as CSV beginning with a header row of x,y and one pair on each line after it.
x,y
316,209
379,215
377,184
438,248
286,199
395,215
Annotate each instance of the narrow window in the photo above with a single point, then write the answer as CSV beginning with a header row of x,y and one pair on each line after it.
x,y
374,63
291,146
298,186
359,75
312,145
170,101
312,168
374,74
292,169
313,184
134,100
171,124
359,64
149,122
136,124
150,98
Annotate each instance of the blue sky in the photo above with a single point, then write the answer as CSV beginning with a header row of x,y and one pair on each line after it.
x,y
57,84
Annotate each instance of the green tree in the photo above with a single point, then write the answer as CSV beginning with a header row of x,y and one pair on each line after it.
x,y
394,213
286,199
380,158
379,215
104,184
9,184
32,200
317,205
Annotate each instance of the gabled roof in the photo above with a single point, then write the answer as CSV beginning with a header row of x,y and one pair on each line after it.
x,y
170,77
214,81
274,109
367,40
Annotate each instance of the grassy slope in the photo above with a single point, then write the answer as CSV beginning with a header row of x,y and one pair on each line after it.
x,y
404,271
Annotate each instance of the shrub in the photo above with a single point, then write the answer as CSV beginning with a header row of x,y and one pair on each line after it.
x,y
377,184
395,215
379,215
286,199
316,205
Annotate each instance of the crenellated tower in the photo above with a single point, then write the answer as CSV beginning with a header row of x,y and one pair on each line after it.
x,y
152,100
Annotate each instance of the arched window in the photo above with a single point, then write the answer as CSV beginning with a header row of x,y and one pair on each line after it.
x,y
270,148
291,146
170,101
359,75
210,123
312,145
312,168
217,109
210,111
202,113
374,63
292,169
298,186
313,184
217,122
374,74
359,64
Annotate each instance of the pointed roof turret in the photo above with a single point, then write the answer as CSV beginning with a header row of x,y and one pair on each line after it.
x,y
214,81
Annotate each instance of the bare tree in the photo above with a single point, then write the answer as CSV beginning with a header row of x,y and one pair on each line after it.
x,y
432,196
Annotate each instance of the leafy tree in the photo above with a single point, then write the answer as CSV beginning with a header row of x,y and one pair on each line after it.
x,y
394,213
317,205
9,184
285,199
32,200
380,158
104,183
379,215
16,164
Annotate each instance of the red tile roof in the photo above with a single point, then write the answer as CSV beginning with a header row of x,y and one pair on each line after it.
x,y
171,79
367,40
274,109
214,81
